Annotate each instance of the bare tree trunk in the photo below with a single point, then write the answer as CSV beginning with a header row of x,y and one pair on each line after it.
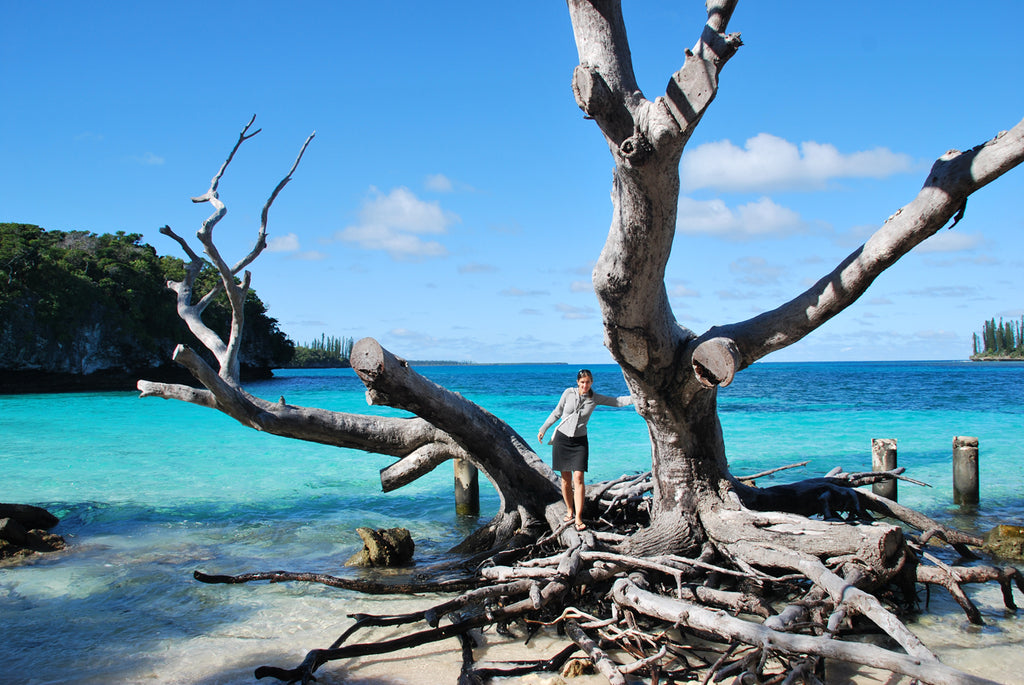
x,y
672,372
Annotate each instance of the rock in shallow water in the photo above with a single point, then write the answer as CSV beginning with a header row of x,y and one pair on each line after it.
x,y
1005,541
23,531
383,547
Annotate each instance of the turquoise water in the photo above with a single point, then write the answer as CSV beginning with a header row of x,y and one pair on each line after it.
x,y
150,490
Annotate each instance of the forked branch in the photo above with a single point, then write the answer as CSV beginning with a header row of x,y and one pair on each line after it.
x,y
190,309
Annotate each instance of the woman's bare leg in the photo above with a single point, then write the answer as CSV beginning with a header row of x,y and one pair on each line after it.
x,y
579,494
567,494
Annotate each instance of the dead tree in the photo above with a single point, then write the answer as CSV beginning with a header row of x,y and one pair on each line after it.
x,y
688,544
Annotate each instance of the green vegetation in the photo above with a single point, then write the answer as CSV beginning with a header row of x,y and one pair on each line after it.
x,y
76,302
1003,340
325,353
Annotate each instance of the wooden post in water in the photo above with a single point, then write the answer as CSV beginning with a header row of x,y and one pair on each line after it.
x,y
467,488
965,470
883,458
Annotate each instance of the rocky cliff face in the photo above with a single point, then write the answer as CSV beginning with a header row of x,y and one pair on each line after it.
x,y
79,310
97,354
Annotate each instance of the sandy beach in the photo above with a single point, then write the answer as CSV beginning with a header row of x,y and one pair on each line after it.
x,y
287,622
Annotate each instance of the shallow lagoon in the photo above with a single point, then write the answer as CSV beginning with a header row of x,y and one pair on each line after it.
x,y
151,490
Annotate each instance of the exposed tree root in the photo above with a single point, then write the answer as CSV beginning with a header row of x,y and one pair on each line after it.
x,y
745,608
369,587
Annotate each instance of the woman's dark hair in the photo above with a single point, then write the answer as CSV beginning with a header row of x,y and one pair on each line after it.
x,y
583,372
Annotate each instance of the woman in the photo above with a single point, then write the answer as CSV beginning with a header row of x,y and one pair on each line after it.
x,y
569,447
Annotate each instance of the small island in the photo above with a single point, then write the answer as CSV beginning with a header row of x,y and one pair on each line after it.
x,y
999,342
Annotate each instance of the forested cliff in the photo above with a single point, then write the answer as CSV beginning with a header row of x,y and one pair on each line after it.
x,y
79,310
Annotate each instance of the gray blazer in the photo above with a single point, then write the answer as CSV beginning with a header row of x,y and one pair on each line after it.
x,y
575,411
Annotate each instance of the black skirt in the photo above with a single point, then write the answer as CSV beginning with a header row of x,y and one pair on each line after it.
x,y
569,454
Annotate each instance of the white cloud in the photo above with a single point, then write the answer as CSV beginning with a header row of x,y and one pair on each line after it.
x,y
308,256
394,223
290,243
758,219
678,291
756,271
570,312
768,162
476,268
949,241
519,292
439,183
581,287
284,243
149,159
945,292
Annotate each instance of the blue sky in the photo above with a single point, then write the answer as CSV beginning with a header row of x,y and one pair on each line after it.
x,y
454,199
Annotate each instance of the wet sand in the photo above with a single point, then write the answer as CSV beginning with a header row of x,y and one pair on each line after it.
x,y
287,626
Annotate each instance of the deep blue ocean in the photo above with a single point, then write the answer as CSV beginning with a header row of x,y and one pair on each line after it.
x,y
150,490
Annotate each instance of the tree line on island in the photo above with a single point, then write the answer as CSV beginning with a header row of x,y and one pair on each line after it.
x,y
327,352
81,310
1003,340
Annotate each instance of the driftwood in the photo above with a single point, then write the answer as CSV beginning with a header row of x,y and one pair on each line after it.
x,y
687,572
643,616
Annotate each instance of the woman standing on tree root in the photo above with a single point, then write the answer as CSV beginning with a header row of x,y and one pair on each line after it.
x,y
570,449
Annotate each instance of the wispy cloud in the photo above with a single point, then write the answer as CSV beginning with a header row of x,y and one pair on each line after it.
x,y
949,241
767,162
761,219
474,268
756,271
148,159
438,183
290,244
395,223
284,243
519,292
680,290
569,311
946,292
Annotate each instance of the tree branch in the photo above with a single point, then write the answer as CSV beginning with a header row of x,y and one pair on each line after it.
x,y
709,621
953,178
225,353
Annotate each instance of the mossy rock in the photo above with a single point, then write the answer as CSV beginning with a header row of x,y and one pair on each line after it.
x,y
574,668
1005,541
388,547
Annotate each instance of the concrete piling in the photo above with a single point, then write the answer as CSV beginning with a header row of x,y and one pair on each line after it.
x,y
883,458
966,482
467,488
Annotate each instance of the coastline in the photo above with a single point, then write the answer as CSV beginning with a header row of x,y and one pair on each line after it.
x,y
33,381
